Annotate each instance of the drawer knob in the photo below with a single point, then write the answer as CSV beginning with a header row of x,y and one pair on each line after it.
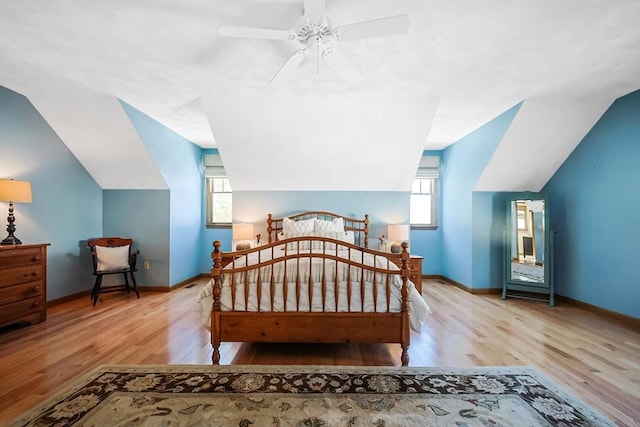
x,y
35,304
36,258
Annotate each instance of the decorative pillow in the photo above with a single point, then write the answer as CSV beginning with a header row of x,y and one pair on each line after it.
x,y
290,226
112,259
335,225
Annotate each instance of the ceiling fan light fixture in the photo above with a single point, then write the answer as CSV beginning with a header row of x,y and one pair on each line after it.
x,y
312,30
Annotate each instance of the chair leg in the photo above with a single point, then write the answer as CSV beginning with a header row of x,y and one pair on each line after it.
x,y
126,282
96,289
135,285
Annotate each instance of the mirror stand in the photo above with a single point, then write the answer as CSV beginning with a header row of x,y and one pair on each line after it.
x,y
528,249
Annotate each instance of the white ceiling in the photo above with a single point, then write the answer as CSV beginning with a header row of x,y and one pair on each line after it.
x,y
461,64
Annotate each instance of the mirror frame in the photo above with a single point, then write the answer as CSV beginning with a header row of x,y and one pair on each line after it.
x,y
540,291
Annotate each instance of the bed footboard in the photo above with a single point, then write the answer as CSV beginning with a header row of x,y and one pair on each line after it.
x,y
337,293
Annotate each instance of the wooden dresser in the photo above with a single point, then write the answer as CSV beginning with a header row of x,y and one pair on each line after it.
x,y
23,283
415,269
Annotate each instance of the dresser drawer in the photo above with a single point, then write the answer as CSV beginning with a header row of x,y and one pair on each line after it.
x,y
18,257
15,293
19,309
17,275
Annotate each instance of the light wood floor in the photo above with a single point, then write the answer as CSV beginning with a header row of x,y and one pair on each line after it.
x,y
596,359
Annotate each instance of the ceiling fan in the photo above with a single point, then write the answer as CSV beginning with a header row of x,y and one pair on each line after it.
x,y
314,32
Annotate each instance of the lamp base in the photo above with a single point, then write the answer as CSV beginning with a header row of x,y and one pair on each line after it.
x,y
396,248
11,240
11,228
243,246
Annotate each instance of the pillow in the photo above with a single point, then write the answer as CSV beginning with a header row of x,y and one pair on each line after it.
x,y
335,225
345,236
112,259
303,245
349,237
290,226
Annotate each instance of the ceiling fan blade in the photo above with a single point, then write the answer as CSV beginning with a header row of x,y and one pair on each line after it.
x,y
256,33
289,67
341,65
314,10
377,27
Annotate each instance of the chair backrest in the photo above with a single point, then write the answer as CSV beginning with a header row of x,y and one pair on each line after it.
x,y
109,242
109,254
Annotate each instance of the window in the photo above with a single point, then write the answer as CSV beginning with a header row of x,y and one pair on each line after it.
x,y
424,193
219,195
521,217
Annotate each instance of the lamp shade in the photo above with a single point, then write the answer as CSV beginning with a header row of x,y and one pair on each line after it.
x,y
398,232
15,191
242,231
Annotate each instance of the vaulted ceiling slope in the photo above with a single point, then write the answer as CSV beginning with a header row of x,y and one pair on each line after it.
x,y
461,64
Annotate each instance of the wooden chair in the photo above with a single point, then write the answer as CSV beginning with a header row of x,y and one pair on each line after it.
x,y
113,255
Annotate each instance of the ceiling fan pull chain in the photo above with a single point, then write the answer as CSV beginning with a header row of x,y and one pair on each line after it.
x,y
318,55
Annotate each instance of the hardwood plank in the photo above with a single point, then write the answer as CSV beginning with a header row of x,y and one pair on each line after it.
x,y
596,358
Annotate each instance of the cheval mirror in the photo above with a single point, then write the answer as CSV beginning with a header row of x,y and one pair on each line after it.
x,y
528,249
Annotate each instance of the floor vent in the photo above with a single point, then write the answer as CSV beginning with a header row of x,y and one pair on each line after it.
x,y
442,282
190,285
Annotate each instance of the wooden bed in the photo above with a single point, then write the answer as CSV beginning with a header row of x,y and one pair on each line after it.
x,y
335,292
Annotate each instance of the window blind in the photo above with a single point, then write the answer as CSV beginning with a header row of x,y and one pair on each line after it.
x,y
213,165
429,167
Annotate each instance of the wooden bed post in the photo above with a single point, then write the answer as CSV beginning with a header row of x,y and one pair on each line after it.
x,y
216,273
269,228
366,230
404,309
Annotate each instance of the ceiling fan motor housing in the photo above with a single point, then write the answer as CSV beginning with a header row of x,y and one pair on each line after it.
x,y
314,31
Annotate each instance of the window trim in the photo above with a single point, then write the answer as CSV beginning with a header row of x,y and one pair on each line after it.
x,y
428,169
209,202
434,193
214,169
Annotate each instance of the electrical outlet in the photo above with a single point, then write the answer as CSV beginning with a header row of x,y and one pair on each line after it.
x,y
146,265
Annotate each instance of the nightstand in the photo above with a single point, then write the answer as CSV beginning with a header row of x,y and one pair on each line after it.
x,y
415,269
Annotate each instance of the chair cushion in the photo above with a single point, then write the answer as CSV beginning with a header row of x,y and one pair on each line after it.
x,y
112,259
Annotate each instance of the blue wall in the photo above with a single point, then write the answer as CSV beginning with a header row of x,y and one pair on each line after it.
x,y
595,211
594,204
142,215
383,207
180,163
470,239
427,242
487,240
67,202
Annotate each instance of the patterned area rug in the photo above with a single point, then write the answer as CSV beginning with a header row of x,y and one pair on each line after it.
x,y
318,396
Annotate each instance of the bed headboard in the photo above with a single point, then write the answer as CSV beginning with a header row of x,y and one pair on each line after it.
x,y
360,227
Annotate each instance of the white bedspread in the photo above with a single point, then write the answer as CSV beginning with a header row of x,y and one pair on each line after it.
x,y
311,276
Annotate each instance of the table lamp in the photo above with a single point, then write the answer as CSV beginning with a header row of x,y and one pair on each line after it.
x,y
397,233
243,233
13,192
